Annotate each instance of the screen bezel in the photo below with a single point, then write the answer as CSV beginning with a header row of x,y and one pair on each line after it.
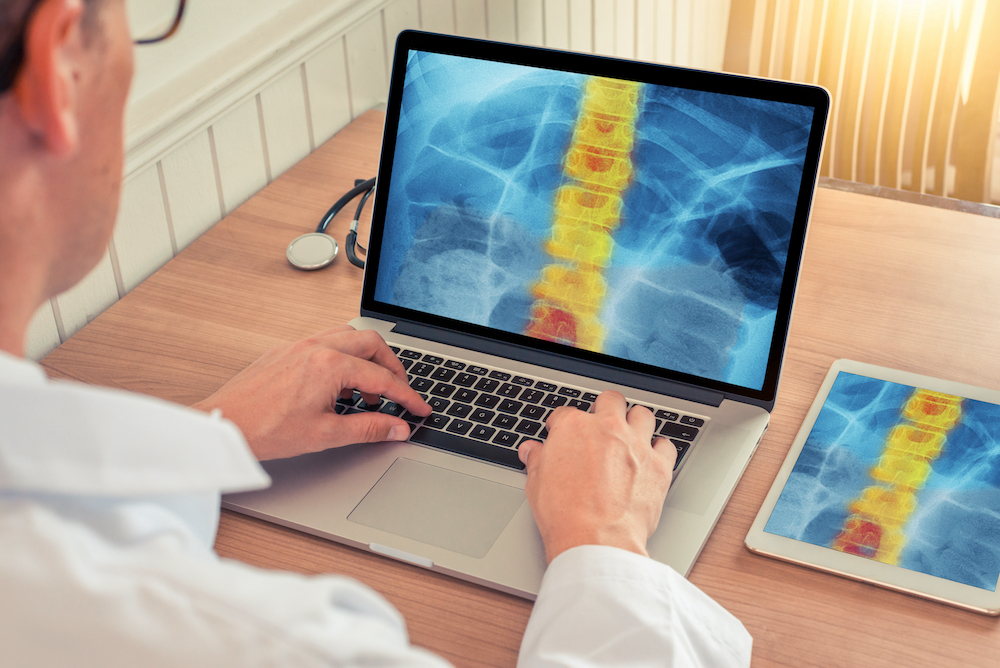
x,y
549,353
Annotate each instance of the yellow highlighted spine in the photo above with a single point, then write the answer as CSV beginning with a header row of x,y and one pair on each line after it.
x,y
598,167
874,529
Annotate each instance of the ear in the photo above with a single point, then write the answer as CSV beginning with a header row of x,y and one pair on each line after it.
x,y
46,86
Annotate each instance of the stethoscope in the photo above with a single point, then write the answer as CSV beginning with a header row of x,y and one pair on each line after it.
x,y
318,249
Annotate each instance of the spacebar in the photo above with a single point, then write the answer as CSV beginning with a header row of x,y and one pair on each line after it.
x,y
467,446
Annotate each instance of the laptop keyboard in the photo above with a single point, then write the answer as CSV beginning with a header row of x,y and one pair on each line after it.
x,y
486,413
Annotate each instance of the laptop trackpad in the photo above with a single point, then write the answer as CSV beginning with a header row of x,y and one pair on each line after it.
x,y
439,507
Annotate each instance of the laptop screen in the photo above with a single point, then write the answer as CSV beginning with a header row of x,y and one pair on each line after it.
x,y
644,224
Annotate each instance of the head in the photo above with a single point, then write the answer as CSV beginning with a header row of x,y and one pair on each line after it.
x,y
61,142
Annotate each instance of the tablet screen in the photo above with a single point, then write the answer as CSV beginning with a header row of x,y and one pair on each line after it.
x,y
901,475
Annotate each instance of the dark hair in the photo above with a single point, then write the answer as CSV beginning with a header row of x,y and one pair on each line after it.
x,y
14,17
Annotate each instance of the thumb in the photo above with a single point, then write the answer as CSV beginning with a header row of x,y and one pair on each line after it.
x,y
371,428
525,449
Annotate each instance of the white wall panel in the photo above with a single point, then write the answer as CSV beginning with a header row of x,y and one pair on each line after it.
x,y
682,32
470,18
366,65
437,15
43,335
240,154
192,191
625,28
397,17
283,104
664,51
581,26
329,99
87,299
501,20
530,22
557,24
604,28
141,229
645,30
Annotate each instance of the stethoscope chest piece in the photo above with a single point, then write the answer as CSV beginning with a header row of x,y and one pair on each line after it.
x,y
312,251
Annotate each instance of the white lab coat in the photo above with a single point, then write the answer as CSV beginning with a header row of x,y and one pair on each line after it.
x,y
109,503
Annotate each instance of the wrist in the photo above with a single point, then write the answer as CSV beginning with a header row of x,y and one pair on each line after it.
x,y
556,545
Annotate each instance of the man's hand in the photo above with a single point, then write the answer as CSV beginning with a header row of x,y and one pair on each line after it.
x,y
596,480
284,402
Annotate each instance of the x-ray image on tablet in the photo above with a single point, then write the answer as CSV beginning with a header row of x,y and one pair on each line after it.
x,y
904,472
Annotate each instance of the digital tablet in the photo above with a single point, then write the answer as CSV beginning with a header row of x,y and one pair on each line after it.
x,y
893,479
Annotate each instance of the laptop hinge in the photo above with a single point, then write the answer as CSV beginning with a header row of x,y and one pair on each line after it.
x,y
561,362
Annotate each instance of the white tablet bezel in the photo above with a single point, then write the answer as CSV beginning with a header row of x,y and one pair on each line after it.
x,y
849,565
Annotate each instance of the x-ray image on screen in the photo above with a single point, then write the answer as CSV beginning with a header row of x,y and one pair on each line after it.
x,y
644,222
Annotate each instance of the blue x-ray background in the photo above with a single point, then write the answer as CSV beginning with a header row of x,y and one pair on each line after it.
x,y
699,255
955,531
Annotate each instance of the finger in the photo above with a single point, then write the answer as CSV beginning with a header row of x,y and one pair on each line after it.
x,y
666,449
366,345
370,428
524,452
374,380
610,400
641,419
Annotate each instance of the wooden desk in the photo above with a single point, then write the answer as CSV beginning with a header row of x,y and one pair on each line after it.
x,y
883,281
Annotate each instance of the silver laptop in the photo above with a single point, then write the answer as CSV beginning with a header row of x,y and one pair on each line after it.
x,y
548,226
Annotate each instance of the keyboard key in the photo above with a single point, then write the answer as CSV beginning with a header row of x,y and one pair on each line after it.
x,y
394,349
350,401
460,410
406,363
577,403
532,396
365,406
467,446
478,370
465,379
481,415
487,385
546,387
682,448
422,384
666,415
499,375
505,421
483,432
529,427
443,390
442,374
569,392
543,434
693,421
459,426
509,406
589,396
534,412
674,430
464,395
509,390
421,369
438,405
433,359
411,418
411,354
506,438
457,366
392,408
436,420
554,401
521,380
487,400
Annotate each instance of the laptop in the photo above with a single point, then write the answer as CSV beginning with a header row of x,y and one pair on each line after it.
x,y
548,226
